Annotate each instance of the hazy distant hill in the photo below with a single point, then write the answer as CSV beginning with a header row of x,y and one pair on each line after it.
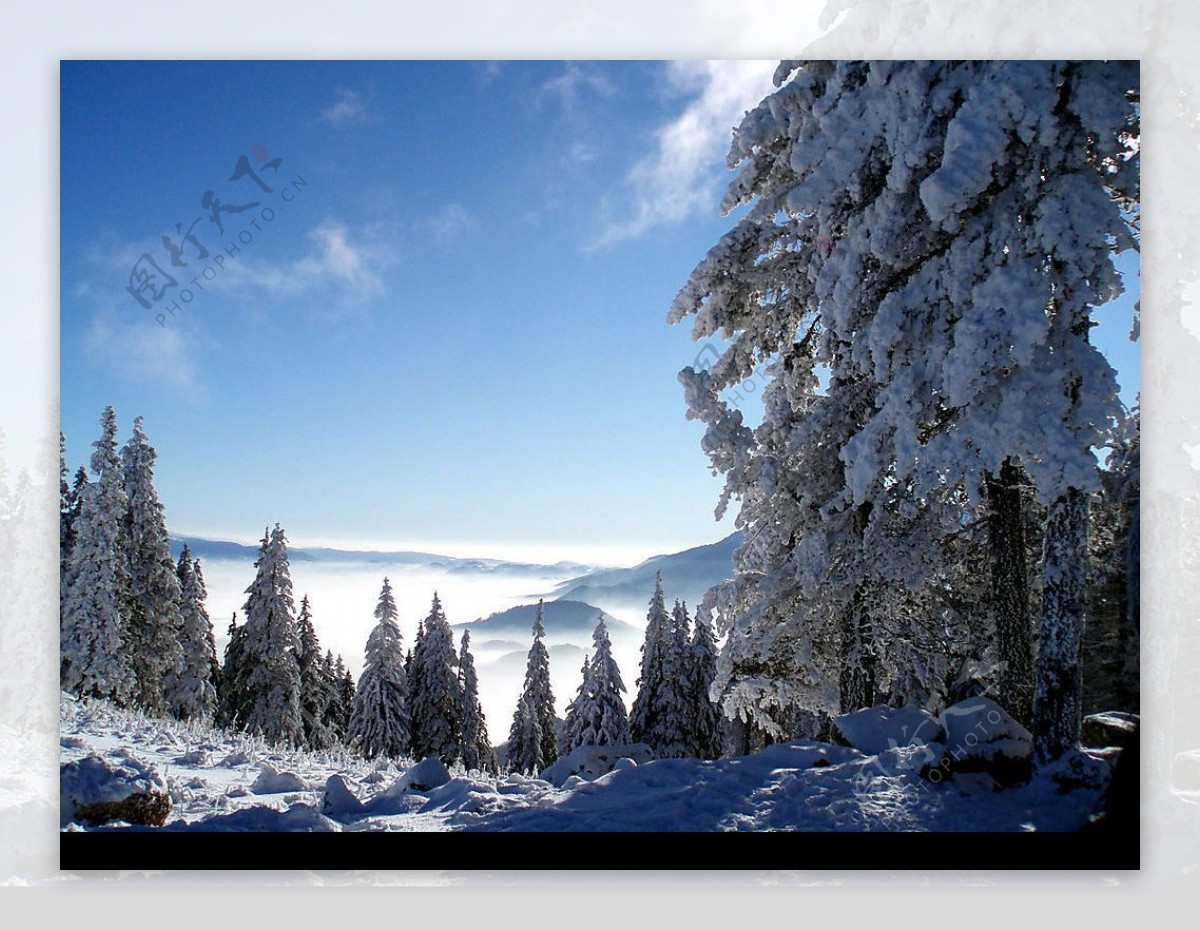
x,y
687,575
565,619
220,549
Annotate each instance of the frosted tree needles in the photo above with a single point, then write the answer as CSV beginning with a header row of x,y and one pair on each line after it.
x,y
924,246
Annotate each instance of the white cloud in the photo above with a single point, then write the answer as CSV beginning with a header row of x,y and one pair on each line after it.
x,y
133,347
349,107
448,224
568,86
340,273
682,177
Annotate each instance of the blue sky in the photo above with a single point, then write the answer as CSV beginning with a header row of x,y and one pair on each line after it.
x,y
450,333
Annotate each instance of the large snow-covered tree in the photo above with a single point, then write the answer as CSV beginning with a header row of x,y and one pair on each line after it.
x,y
154,623
646,710
922,251
96,589
600,715
660,714
541,696
476,746
191,693
436,704
379,724
269,646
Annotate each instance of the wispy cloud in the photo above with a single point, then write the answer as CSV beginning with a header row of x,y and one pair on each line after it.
x,y
348,107
130,346
682,176
568,87
448,224
339,275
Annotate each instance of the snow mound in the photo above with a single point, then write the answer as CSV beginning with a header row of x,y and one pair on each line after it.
x,y
95,790
299,818
426,774
982,737
340,801
591,762
271,781
877,729
980,720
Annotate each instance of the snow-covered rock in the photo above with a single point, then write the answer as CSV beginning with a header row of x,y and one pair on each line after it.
x,y
981,736
877,729
272,781
590,762
95,790
1111,728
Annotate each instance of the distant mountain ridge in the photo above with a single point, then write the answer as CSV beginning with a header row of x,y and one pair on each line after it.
x,y
223,549
687,575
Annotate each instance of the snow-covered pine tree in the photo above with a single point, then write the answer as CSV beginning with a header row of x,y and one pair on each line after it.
x,y
572,731
231,685
332,718
537,688
924,244
154,622
316,687
646,706
94,660
379,724
342,706
269,647
525,739
66,507
603,720
671,736
437,702
476,746
192,694
412,672
704,733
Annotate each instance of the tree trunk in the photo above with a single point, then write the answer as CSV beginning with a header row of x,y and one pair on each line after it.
x,y
858,661
1010,592
1057,698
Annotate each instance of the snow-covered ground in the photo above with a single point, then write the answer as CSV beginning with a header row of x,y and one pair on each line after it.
x,y
230,782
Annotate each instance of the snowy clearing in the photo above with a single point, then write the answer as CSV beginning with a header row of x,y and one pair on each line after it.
x,y
230,782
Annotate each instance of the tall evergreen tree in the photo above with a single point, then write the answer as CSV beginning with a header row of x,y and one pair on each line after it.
x,y
525,739
572,732
437,703
646,706
705,730
476,747
269,648
922,251
379,724
192,694
603,720
316,688
231,685
94,658
154,620
537,689
415,678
